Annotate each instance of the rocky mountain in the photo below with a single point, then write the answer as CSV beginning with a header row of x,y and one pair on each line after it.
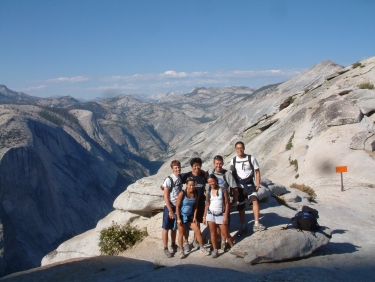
x,y
298,130
207,104
63,162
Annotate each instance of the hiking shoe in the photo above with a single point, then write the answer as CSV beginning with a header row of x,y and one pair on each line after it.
x,y
214,254
223,246
187,247
195,244
167,253
174,248
203,251
241,231
181,254
259,227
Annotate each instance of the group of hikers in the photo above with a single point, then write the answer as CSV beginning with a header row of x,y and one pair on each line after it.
x,y
187,209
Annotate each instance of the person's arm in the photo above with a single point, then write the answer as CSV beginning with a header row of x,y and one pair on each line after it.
x,y
178,206
168,203
226,202
196,208
206,207
257,173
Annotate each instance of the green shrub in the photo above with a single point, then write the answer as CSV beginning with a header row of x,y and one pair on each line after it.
x,y
289,145
366,85
356,65
296,176
118,238
304,188
295,163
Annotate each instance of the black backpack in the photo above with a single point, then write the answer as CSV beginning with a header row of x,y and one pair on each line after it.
x,y
305,220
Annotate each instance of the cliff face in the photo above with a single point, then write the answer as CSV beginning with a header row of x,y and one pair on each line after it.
x,y
49,191
62,164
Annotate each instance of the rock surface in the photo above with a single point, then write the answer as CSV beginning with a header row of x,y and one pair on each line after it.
x,y
276,244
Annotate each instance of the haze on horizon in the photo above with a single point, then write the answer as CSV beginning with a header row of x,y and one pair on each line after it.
x,y
90,49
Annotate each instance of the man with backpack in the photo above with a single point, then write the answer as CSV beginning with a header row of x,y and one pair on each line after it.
x,y
172,186
244,167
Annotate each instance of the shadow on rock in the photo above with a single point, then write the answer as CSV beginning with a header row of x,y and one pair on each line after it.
x,y
332,248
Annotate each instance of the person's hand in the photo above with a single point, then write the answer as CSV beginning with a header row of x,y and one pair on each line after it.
x,y
161,187
171,215
257,188
179,222
204,221
225,220
195,220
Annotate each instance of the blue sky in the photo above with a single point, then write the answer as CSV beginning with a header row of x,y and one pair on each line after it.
x,y
90,49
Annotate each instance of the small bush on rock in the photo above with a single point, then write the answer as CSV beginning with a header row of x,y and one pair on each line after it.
x,y
366,85
118,238
295,163
356,65
304,188
289,145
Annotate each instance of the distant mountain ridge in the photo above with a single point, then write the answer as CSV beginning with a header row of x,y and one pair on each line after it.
x,y
102,146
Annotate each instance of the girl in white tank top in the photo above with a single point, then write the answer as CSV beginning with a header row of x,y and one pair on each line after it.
x,y
217,212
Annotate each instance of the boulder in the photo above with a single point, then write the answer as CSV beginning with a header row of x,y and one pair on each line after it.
x,y
142,196
367,106
263,193
276,244
361,94
277,189
296,198
341,113
364,140
135,202
266,182
87,244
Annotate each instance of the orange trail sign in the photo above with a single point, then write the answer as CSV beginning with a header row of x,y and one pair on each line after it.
x,y
341,169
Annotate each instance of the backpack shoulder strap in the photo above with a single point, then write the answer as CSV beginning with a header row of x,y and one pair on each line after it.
x,y
224,177
251,164
172,183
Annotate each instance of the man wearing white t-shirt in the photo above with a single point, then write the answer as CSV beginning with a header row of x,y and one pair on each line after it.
x,y
243,168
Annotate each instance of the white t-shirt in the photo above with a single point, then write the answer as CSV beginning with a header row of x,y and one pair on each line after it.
x,y
243,166
177,187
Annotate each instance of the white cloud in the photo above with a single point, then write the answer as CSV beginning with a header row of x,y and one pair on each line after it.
x,y
33,88
171,74
73,79
113,87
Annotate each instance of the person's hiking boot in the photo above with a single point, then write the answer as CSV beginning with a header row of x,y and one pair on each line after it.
x,y
174,248
214,254
223,245
203,251
181,254
242,231
167,253
186,247
195,244
259,227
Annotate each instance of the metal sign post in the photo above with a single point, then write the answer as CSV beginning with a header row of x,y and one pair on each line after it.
x,y
342,169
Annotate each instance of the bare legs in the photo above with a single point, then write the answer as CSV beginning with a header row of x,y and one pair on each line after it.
x,y
165,237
